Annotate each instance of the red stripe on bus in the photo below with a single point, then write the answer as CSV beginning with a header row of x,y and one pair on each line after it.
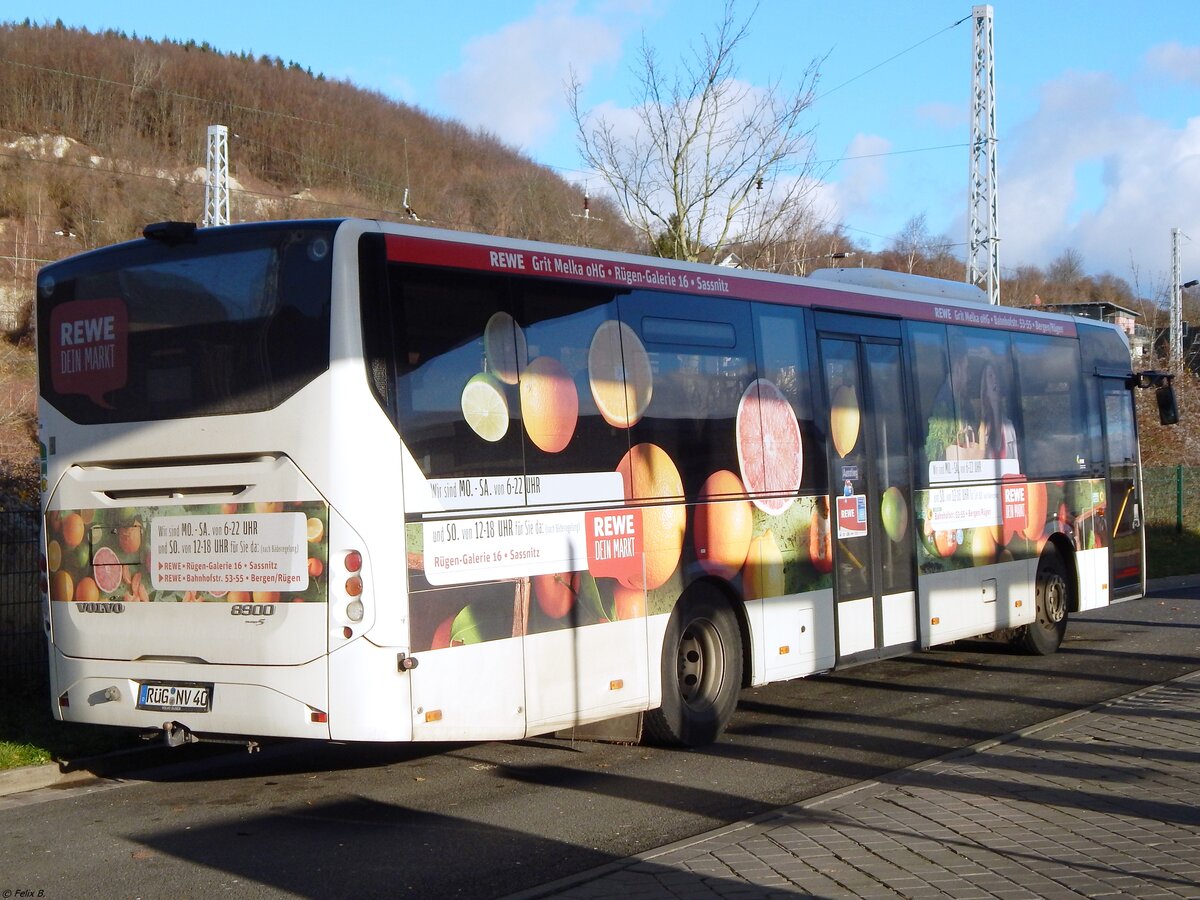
x,y
636,274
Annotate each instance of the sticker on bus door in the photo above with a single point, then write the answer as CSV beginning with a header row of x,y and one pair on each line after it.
x,y
852,516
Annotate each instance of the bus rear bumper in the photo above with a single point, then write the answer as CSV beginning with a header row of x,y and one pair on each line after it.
x,y
241,700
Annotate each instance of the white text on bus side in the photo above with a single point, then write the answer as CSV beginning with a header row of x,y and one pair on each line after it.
x,y
504,260
86,331
613,526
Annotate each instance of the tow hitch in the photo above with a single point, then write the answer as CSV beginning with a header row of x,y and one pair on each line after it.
x,y
174,734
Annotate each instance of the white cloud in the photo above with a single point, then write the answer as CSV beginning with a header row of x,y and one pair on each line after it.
x,y
512,82
1150,175
861,181
1176,61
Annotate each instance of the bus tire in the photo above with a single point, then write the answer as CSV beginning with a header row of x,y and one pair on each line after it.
x,y
1045,634
701,672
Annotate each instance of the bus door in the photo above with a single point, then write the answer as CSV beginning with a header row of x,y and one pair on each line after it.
x,y
1124,491
870,478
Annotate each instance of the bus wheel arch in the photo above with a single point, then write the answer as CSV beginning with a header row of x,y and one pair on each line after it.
x,y
702,668
1055,595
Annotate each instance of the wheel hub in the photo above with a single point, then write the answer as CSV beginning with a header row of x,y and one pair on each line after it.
x,y
700,668
1054,601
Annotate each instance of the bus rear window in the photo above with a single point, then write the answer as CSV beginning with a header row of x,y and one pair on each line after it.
x,y
235,321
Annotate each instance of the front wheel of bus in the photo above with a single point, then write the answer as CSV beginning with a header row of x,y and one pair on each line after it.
x,y
701,672
1044,635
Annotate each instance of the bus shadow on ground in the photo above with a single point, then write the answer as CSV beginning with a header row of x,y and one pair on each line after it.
x,y
364,845
367,847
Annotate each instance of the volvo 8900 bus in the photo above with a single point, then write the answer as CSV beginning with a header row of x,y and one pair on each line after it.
x,y
361,481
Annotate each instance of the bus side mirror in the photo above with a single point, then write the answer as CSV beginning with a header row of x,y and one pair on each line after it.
x,y
1168,410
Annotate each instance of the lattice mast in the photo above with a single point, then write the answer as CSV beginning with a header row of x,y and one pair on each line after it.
x,y
983,235
216,180
1176,304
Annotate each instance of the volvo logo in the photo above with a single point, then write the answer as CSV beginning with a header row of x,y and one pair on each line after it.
x,y
100,607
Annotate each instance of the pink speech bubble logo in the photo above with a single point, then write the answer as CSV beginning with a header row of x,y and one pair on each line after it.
x,y
89,348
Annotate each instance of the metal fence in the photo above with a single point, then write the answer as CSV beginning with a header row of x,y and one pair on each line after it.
x,y
1172,496
22,640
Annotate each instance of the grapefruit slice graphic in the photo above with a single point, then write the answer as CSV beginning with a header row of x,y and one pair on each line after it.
x,y
106,566
769,450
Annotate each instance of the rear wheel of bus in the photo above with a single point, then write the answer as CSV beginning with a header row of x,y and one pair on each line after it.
x,y
701,671
1052,590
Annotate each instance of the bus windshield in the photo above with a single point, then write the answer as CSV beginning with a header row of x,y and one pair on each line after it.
x,y
219,325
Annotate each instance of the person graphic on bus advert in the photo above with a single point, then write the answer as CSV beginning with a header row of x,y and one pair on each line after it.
x,y
997,435
949,432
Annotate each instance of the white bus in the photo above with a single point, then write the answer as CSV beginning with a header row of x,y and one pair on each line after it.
x,y
361,481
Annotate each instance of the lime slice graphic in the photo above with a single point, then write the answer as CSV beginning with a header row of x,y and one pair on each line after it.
x,y
485,407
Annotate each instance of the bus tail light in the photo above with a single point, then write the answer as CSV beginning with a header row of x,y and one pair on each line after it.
x,y
318,716
64,700
354,610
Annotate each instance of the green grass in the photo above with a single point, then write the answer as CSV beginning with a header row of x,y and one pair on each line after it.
x,y
1169,552
30,737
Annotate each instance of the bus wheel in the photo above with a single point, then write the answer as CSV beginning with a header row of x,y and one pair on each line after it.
x,y
701,672
1044,635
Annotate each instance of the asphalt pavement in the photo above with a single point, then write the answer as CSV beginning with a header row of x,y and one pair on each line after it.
x,y
1103,802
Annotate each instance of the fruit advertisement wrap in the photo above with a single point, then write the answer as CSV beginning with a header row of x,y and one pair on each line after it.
x,y
670,494
977,525
216,553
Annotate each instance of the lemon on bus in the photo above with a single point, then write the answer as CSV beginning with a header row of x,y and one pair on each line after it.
x,y
619,374
314,529
504,347
844,419
53,556
485,407
762,575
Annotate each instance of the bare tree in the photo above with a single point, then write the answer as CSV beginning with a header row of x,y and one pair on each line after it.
x,y
1066,269
713,161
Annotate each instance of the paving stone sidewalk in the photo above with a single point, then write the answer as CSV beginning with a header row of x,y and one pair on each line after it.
x,y
1100,803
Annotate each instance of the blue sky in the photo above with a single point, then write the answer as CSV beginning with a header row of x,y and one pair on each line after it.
x,y
1098,103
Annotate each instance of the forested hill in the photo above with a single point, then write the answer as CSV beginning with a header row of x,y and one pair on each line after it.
x,y
101,133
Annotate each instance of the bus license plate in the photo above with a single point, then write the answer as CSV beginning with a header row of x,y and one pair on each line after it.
x,y
175,697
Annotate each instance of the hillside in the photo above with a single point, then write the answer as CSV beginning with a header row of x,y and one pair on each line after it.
x,y
102,133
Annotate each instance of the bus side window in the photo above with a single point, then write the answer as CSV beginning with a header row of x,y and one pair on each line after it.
x,y
994,449
942,432
1052,406
701,355
781,338
583,383
439,355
